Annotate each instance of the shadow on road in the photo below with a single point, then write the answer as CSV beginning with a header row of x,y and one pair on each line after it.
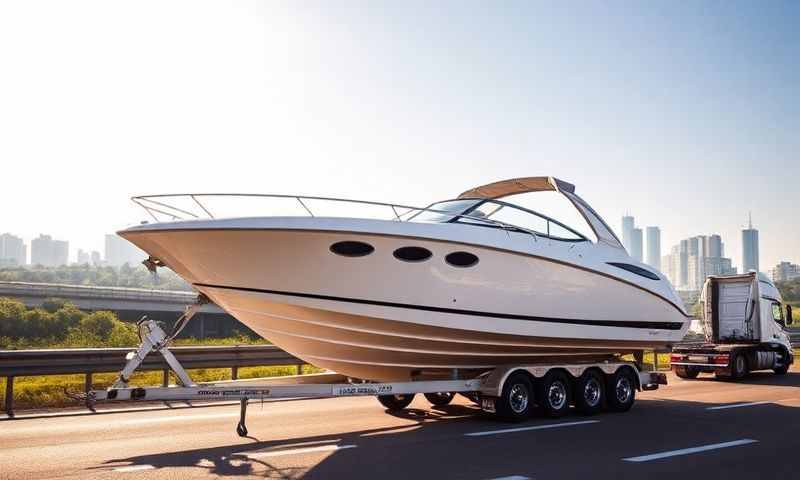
x,y
433,438
233,460
791,379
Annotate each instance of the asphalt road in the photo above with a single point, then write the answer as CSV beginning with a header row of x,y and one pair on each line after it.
x,y
755,435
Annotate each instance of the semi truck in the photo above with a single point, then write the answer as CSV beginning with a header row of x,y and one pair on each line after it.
x,y
744,322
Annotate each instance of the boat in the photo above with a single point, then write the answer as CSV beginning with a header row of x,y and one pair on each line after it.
x,y
420,292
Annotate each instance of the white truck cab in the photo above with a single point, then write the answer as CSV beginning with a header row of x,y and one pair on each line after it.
x,y
744,321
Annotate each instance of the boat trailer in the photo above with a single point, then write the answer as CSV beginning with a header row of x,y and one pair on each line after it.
x,y
486,389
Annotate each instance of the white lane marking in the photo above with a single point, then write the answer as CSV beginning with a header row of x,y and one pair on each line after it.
x,y
737,405
176,418
134,468
512,477
535,427
295,451
178,406
687,451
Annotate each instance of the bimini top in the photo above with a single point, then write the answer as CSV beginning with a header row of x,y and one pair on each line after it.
x,y
514,186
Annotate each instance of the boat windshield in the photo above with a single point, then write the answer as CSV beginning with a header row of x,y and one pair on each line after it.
x,y
446,211
497,214
509,214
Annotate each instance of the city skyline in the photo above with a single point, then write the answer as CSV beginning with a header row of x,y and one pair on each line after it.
x,y
644,108
691,260
48,251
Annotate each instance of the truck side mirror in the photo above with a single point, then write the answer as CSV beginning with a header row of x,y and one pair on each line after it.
x,y
788,314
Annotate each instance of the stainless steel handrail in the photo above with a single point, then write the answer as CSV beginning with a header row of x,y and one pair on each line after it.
x,y
160,205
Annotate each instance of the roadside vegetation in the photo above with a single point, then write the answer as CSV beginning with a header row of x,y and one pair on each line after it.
x,y
48,391
135,276
59,324
790,291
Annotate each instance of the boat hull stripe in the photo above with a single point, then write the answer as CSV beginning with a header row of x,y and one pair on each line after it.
x,y
428,308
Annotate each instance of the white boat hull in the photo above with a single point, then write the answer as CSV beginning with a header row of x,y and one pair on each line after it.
x,y
379,318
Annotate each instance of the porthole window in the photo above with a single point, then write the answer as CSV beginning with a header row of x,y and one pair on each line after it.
x,y
461,259
412,254
352,249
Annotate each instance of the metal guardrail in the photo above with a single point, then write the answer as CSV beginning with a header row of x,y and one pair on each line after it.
x,y
87,361
82,291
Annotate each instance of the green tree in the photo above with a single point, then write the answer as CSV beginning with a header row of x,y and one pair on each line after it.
x,y
53,304
11,312
98,324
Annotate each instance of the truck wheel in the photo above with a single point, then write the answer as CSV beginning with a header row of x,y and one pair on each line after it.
x,y
782,370
621,390
590,392
686,372
554,394
395,403
439,398
738,366
516,401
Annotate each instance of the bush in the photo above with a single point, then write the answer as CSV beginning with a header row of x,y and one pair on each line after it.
x,y
60,323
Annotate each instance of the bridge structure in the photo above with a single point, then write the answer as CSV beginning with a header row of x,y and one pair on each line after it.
x,y
130,304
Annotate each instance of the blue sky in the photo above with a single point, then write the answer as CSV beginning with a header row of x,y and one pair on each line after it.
x,y
684,114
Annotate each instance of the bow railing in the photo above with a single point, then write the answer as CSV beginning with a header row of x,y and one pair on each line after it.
x,y
195,206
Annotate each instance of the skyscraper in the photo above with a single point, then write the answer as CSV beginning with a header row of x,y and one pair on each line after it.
x,y
785,271
120,251
749,248
683,263
692,260
12,251
627,232
654,247
83,257
714,246
636,244
48,252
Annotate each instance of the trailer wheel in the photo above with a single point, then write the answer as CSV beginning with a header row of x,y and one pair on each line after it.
x,y
686,372
394,403
554,394
439,399
590,392
621,390
516,401
738,366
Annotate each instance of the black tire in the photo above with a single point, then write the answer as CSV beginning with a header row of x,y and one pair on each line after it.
x,y
554,394
787,361
686,372
517,399
590,392
739,367
439,399
395,403
621,390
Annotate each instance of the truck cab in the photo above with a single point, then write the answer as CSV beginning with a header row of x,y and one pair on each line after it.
x,y
744,322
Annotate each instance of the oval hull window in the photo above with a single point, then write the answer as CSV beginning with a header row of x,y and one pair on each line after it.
x,y
352,249
461,259
412,254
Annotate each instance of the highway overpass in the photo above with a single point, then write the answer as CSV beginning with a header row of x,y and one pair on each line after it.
x,y
129,304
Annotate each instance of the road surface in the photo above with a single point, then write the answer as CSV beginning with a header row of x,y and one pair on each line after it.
x,y
690,429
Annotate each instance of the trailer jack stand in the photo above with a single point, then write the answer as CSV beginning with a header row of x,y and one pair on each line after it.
x,y
241,428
